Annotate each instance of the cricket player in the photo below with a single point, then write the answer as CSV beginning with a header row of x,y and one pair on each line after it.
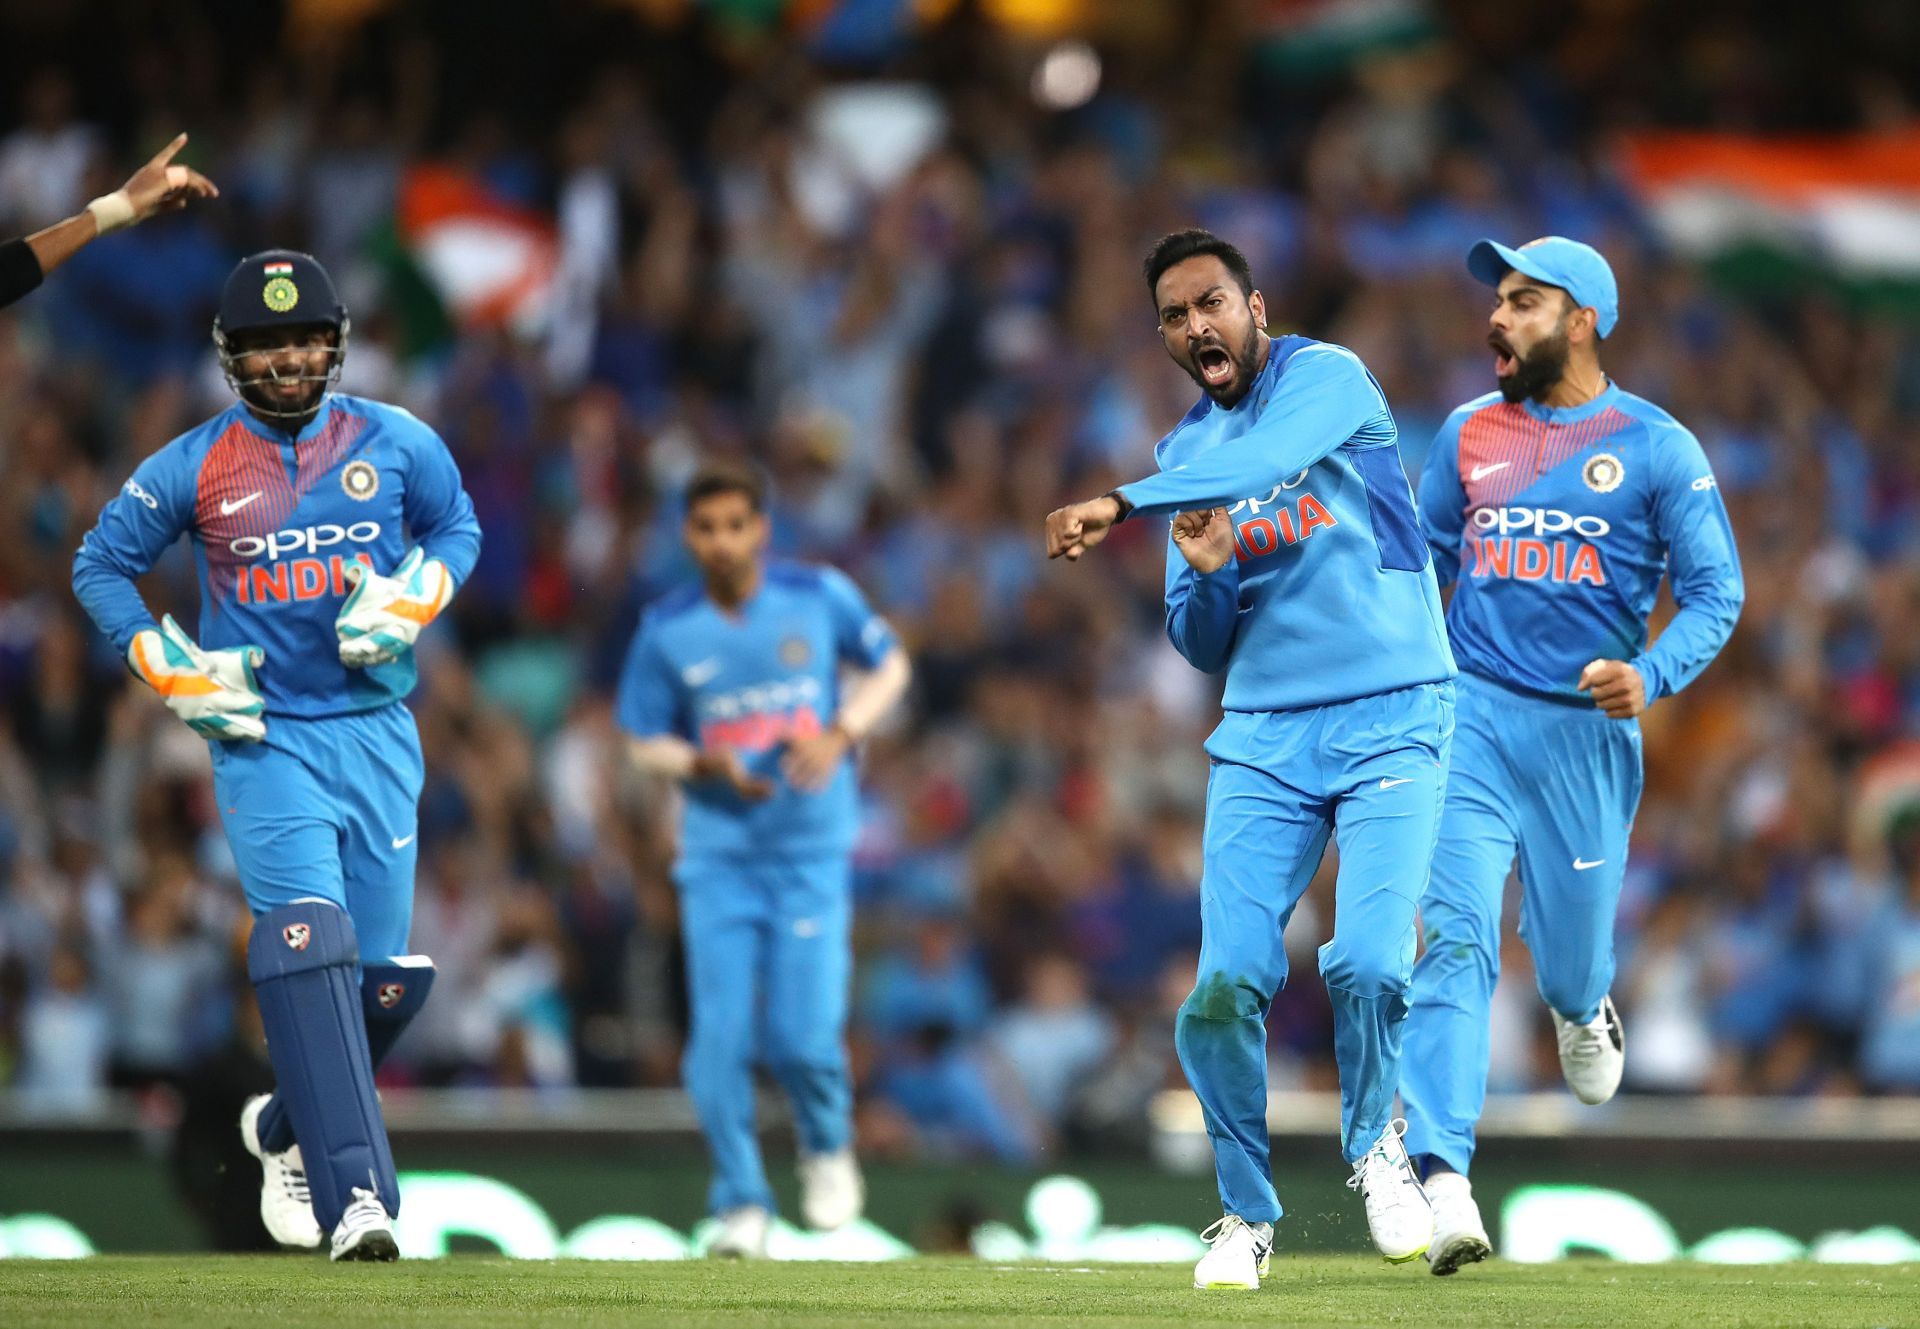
x,y
733,687
328,531
1555,505
1296,566
157,187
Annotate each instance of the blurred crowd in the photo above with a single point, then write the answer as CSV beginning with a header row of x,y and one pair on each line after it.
x,y
902,275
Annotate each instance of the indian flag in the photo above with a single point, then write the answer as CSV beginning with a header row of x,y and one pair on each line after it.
x,y
1771,212
491,262
278,269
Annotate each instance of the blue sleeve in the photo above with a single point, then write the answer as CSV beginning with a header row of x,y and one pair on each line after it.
x,y
1203,610
860,636
436,506
1690,518
1443,500
649,702
1324,397
148,514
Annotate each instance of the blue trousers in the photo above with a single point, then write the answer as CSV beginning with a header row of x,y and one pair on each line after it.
x,y
1370,773
768,965
328,807
1559,784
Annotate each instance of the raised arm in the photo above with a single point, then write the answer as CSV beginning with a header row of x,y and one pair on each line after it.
x,y
156,187
1324,397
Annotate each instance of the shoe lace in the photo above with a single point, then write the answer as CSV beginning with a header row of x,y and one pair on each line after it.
x,y
366,1206
294,1182
1379,1157
1222,1228
1584,1042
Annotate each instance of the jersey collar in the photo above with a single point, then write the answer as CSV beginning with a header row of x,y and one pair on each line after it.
x,y
308,431
1262,381
1573,415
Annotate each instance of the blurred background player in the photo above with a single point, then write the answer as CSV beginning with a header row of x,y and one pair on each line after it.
x,y
293,497
1556,504
733,687
157,187
1297,567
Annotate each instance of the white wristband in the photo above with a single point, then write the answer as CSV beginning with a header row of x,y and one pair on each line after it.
x,y
111,211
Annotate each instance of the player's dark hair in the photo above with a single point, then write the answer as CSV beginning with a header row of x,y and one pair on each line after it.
x,y
1183,245
718,478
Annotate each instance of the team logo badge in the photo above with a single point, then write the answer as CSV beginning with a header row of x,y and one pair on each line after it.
x,y
360,480
1603,473
280,294
297,935
795,652
389,995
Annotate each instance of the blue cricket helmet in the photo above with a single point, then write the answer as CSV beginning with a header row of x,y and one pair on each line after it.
x,y
280,288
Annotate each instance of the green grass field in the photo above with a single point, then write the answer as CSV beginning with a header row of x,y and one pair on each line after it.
x,y
210,1292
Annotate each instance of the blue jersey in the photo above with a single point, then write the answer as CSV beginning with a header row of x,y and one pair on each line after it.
x,y
1558,525
274,517
1330,594
750,680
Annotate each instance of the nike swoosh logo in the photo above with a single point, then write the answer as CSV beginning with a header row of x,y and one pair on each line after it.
x,y
229,506
401,842
1582,864
1388,784
698,675
1482,472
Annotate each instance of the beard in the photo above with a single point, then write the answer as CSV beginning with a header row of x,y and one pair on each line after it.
x,y
1534,373
1246,363
270,405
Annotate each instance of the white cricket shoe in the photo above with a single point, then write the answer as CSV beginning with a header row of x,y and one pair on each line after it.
x,y
1398,1214
1239,1257
1459,1237
365,1232
1592,1055
831,1191
742,1234
286,1205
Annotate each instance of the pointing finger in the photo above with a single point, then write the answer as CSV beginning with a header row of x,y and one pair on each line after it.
x,y
165,155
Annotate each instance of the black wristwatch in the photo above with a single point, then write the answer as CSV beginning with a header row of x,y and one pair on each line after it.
x,y
1121,499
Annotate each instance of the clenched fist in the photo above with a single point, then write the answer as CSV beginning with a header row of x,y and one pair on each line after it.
x,y
1616,686
1204,538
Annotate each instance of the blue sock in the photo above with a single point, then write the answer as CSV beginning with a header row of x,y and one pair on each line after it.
x,y
1431,1165
302,959
391,994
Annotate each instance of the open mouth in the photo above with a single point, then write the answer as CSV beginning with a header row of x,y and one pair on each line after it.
x,y
1215,366
1504,360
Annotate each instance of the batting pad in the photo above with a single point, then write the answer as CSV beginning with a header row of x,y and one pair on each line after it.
x,y
302,959
392,993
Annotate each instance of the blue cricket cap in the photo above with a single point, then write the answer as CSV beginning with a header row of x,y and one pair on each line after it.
x,y
1577,269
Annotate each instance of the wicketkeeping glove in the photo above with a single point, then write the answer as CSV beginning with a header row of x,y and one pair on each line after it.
x,y
382,616
213,691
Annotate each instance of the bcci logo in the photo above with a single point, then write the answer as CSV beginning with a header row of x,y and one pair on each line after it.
x,y
389,995
795,652
1603,473
280,294
360,480
297,935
